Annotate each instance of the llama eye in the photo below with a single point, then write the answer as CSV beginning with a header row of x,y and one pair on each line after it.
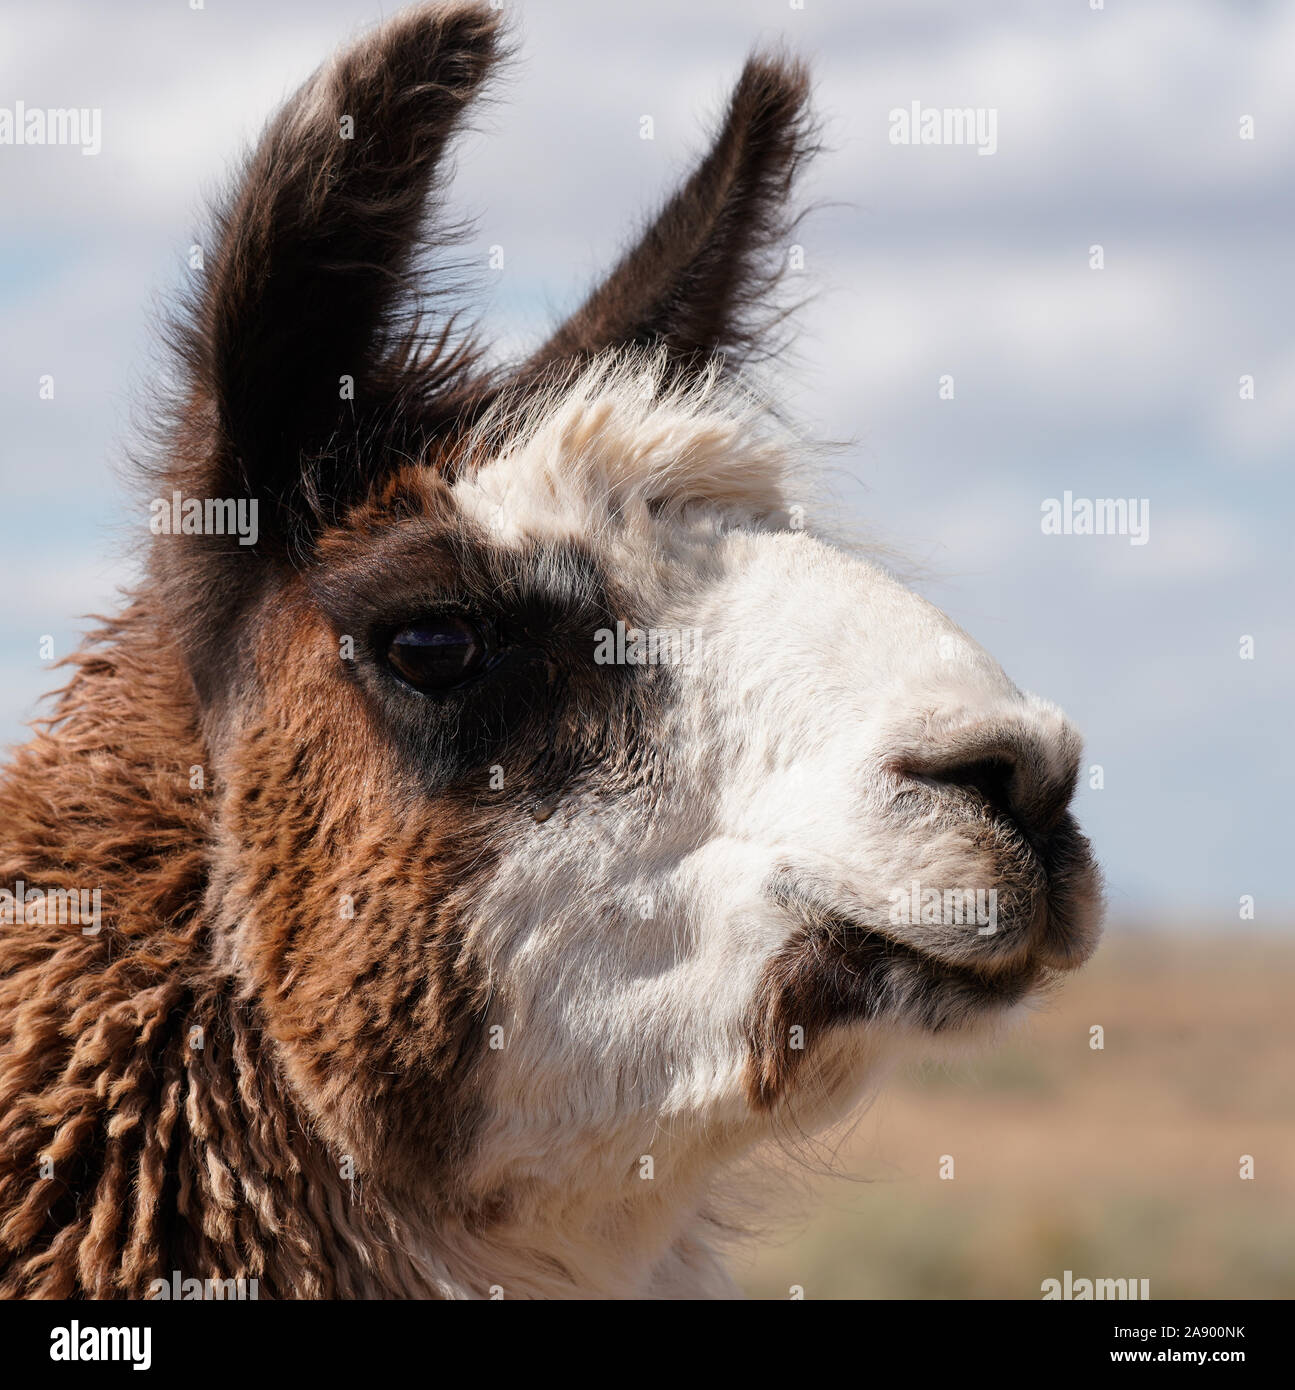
x,y
436,653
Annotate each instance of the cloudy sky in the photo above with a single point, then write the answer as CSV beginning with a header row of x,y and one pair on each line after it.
x,y
1119,127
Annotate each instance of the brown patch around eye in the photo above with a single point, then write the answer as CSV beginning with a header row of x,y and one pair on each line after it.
x,y
350,918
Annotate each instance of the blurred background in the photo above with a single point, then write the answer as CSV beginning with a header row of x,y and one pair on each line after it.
x,y
1118,127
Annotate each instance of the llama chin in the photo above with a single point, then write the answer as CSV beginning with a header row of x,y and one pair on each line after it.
x,y
498,821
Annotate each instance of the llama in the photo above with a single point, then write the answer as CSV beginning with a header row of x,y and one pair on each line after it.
x,y
436,957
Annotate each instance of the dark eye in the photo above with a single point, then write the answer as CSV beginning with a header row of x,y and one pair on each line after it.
x,y
436,653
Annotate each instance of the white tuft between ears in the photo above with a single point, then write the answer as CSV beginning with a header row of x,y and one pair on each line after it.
x,y
617,440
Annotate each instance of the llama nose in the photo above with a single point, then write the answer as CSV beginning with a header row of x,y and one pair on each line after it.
x,y
1021,768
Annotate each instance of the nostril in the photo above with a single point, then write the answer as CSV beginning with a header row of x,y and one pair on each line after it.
x,y
1015,768
989,778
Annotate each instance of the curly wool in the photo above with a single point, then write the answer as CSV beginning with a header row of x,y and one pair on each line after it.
x,y
142,1129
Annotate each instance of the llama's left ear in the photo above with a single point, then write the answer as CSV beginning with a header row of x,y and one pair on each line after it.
x,y
698,280
300,337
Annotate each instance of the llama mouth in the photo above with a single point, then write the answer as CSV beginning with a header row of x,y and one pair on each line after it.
x,y
1049,888
841,968
854,970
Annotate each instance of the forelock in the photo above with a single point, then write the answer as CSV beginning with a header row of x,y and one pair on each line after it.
x,y
619,441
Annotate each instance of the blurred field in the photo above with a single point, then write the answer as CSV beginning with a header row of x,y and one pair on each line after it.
x,y
1118,1163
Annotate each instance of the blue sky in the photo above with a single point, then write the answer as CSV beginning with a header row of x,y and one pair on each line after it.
x,y
1118,127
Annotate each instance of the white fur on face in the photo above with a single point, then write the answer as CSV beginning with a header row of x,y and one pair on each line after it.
x,y
627,937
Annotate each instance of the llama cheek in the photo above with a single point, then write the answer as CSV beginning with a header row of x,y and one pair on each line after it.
x,y
344,930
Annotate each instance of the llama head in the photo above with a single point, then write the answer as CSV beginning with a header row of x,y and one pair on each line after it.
x,y
573,801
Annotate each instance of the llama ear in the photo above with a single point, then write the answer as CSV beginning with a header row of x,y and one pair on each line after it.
x,y
698,280
297,336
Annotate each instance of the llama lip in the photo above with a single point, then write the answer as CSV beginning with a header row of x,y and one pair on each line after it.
x,y
873,973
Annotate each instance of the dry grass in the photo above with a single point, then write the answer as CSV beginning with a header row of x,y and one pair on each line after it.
x,y
1120,1162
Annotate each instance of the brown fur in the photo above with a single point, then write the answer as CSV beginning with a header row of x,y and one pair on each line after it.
x,y
166,1148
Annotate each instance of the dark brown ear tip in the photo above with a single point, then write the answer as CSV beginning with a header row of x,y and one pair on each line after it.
x,y
774,82
702,277
415,43
771,117
441,16
777,70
